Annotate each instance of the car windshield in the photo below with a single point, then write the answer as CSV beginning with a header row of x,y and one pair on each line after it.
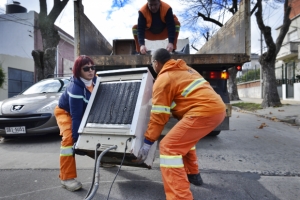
x,y
48,86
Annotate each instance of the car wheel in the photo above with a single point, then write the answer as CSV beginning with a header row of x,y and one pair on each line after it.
x,y
214,133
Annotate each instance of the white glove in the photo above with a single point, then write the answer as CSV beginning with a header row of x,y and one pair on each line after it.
x,y
143,153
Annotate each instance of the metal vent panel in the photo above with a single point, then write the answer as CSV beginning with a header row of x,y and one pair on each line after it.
x,y
114,103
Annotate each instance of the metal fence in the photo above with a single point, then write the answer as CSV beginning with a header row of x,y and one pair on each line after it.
x,y
248,75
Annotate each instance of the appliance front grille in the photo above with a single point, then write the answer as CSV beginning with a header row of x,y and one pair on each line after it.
x,y
114,103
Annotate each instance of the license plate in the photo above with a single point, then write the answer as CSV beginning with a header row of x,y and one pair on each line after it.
x,y
15,130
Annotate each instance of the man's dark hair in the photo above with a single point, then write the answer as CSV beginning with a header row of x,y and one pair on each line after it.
x,y
161,55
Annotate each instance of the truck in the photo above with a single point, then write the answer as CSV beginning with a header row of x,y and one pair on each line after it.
x,y
229,47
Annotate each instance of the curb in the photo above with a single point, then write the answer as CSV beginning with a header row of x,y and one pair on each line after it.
x,y
295,121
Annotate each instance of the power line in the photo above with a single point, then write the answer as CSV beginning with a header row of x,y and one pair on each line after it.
x,y
6,19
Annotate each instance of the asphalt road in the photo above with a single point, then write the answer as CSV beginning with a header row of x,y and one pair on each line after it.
x,y
243,163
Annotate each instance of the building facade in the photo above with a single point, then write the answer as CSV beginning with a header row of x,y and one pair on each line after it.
x,y
19,36
288,58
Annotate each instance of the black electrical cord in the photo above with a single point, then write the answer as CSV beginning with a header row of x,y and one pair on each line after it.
x,y
129,139
97,147
97,173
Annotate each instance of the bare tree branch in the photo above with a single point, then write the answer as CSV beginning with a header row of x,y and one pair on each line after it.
x,y
254,8
258,15
57,8
234,7
43,8
285,26
194,47
266,31
209,19
206,36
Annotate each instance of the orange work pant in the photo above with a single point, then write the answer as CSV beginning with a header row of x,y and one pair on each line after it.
x,y
161,36
67,160
178,157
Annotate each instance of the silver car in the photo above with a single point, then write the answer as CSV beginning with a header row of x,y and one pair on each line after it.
x,y
31,112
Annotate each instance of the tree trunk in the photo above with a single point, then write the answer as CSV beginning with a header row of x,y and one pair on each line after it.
x,y
50,41
232,85
39,64
50,62
267,59
45,61
271,97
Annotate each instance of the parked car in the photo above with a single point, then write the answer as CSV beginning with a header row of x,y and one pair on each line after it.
x,y
31,112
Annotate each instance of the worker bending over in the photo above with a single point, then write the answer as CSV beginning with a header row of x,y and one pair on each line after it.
x,y
182,91
156,22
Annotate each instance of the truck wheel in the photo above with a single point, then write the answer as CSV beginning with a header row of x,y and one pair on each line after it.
x,y
214,133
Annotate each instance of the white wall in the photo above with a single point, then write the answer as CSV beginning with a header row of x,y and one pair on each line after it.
x,y
253,92
297,91
16,62
17,34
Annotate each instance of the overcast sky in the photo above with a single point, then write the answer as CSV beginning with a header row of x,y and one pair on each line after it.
x,y
116,23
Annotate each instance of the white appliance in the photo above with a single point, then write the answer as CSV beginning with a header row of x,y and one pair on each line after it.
x,y
119,109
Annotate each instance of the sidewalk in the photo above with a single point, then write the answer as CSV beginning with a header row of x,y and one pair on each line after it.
x,y
289,112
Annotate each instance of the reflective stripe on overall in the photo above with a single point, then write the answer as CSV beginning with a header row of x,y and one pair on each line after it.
x,y
67,160
178,153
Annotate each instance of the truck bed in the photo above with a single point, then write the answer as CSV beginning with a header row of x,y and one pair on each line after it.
x,y
193,60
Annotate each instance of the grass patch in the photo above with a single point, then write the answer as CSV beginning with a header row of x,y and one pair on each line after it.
x,y
247,106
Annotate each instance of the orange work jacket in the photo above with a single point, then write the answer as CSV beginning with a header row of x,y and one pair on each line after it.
x,y
182,91
147,13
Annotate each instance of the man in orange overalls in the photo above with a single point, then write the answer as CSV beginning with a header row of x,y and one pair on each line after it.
x,y
182,91
156,22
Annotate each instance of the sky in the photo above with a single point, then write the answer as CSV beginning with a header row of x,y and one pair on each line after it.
x,y
116,23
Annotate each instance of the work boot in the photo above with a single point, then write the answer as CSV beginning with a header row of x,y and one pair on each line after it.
x,y
195,179
71,184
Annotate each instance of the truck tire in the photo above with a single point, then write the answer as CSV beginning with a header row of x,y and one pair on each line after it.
x,y
214,133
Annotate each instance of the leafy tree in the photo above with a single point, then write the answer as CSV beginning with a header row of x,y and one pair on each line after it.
x,y
45,60
214,11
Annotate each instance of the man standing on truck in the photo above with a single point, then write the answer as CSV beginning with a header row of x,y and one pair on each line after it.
x,y
156,22
182,91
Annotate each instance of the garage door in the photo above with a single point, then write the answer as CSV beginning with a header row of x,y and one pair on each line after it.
x,y
18,81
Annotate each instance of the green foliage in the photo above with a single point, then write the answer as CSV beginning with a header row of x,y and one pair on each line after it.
x,y
2,76
247,106
250,75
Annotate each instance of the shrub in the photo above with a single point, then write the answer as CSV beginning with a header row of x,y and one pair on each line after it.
x,y
250,75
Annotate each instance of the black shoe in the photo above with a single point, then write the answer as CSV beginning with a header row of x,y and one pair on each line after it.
x,y
195,179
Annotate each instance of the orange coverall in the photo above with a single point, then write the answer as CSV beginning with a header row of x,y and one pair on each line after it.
x,y
148,34
67,159
182,91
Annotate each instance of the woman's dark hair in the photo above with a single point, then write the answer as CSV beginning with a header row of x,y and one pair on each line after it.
x,y
161,55
79,62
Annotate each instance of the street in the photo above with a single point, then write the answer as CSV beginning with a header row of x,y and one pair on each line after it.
x,y
243,163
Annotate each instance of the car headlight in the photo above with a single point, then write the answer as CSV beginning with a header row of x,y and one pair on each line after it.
x,y
48,108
